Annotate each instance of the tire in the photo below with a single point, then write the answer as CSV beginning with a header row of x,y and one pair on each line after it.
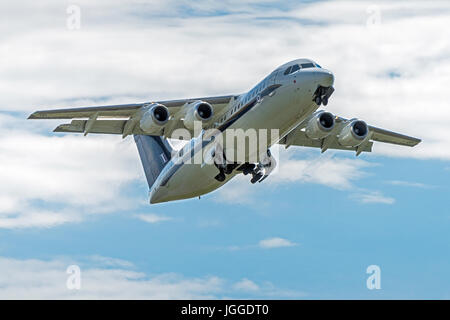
x,y
256,178
318,100
220,177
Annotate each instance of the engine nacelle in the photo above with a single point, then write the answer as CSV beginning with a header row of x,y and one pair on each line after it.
x,y
320,125
198,111
353,134
154,117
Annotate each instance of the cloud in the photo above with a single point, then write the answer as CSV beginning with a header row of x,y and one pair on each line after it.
x,y
29,217
373,197
328,170
266,290
109,278
109,262
152,218
246,285
409,184
38,279
51,180
268,243
276,242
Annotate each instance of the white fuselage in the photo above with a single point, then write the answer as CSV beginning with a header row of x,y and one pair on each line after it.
x,y
288,104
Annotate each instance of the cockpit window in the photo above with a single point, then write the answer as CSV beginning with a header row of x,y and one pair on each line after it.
x,y
292,69
307,65
288,70
295,67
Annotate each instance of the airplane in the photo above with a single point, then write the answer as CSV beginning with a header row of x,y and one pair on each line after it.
x,y
287,101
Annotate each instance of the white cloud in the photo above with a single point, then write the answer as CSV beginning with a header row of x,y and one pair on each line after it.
x,y
268,243
71,176
237,192
410,184
325,170
246,285
276,242
116,279
373,197
110,262
27,217
152,218
37,279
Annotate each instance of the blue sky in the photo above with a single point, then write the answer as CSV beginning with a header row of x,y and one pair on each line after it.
x,y
308,232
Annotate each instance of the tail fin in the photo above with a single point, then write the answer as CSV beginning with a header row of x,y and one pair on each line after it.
x,y
154,152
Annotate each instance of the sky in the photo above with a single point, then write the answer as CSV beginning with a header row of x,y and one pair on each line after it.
x,y
310,231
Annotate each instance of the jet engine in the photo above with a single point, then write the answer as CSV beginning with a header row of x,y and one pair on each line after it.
x,y
154,117
353,134
320,125
198,111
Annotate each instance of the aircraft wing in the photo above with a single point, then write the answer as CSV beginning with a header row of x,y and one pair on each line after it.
x,y
113,119
298,137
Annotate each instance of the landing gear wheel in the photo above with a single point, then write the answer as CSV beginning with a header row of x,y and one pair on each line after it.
x,y
221,176
318,100
325,101
246,168
228,169
256,177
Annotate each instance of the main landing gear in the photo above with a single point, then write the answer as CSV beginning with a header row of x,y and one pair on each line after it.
x,y
221,163
322,95
258,171
261,170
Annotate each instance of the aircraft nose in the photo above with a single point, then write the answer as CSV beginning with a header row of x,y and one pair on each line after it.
x,y
325,78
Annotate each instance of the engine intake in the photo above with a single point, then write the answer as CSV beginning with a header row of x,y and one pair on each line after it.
x,y
353,134
320,125
198,111
155,117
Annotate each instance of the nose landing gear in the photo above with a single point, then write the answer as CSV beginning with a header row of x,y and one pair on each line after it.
x,y
322,95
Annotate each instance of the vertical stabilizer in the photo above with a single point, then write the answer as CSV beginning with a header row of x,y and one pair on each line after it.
x,y
154,152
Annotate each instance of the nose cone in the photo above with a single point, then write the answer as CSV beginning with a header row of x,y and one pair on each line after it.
x,y
325,78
